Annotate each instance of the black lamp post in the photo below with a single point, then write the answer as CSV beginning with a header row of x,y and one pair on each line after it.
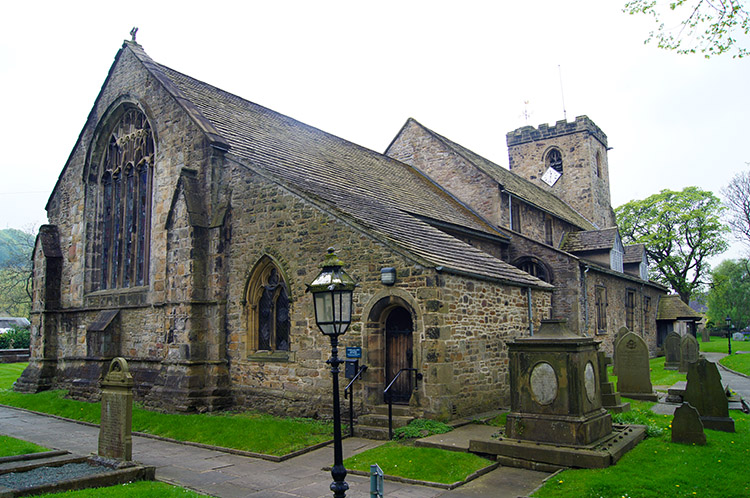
x,y
332,297
729,334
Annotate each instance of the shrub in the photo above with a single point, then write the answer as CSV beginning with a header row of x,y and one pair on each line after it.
x,y
421,428
15,338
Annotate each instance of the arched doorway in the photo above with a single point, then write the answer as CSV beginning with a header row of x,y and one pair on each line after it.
x,y
399,352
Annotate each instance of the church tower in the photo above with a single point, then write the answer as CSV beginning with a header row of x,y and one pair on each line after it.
x,y
568,159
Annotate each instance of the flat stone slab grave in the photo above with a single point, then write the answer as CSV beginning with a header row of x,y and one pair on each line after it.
x,y
53,471
526,454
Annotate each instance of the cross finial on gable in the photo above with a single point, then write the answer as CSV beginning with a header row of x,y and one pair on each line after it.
x,y
133,33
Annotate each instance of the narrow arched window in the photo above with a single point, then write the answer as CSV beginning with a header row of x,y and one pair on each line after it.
x,y
268,317
124,207
554,160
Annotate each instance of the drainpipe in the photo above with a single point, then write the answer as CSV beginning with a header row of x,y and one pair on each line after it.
x,y
531,315
585,302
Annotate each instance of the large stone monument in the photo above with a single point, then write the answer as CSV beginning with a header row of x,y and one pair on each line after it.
x,y
705,392
672,351
115,441
633,369
610,398
689,352
556,415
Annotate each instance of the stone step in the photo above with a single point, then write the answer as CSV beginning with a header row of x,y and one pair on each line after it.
x,y
378,420
400,410
368,432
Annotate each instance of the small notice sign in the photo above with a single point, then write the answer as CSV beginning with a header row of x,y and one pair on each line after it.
x,y
353,352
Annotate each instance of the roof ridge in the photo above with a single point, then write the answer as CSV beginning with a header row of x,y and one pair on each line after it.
x,y
464,152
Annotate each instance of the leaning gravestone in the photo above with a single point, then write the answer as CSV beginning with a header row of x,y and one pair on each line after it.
x,y
610,398
618,336
705,392
687,426
633,369
115,441
689,352
672,351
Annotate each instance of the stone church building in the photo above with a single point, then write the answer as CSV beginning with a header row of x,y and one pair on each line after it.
x,y
187,221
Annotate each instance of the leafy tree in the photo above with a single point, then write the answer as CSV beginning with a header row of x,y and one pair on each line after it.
x,y
16,247
681,231
729,293
737,195
709,27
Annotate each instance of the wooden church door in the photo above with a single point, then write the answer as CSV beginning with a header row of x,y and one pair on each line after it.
x,y
399,353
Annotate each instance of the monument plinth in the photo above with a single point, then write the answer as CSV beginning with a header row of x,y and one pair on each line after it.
x,y
556,415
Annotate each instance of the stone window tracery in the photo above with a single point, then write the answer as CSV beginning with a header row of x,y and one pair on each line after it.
x,y
268,318
124,205
535,268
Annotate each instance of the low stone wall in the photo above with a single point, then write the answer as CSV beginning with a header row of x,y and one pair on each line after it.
x,y
14,355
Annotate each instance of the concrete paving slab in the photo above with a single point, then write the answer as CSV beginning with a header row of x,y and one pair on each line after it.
x,y
458,439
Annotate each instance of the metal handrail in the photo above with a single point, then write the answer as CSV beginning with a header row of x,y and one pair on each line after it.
x,y
348,393
387,396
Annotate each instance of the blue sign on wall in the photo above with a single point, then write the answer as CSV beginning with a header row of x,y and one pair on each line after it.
x,y
353,352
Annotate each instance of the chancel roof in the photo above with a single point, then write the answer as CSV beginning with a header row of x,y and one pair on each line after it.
x,y
381,194
516,185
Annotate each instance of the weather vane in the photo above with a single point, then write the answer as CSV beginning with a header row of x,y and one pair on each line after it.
x,y
133,33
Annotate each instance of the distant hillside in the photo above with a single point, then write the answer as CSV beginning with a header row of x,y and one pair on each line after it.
x,y
15,246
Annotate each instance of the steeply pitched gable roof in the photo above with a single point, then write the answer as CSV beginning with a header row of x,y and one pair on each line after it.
x,y
375,191
590,240
514,184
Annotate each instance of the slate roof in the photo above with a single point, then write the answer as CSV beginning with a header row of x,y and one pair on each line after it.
x,y
634,253
378,192
590,240
516,185
672,308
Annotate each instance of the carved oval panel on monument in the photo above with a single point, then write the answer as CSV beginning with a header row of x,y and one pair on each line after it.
x,y
589,381
544,383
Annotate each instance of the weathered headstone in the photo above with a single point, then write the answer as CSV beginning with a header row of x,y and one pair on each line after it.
x,y
672,351
633,369
705,392
115,440
687,426
610,398
705,336
689,352
738,336
618,336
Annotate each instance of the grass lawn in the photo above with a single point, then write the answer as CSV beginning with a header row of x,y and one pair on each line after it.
x,y
403,459
659,376
151,489
248,431
10,446
738,363
719,345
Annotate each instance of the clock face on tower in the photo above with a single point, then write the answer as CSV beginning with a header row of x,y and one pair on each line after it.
x,y
551,176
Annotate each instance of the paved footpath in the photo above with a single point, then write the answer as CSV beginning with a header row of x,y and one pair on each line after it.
x,y
738,382
231,476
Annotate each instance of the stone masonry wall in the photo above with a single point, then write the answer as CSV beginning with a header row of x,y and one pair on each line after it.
x,y
459,324
416,147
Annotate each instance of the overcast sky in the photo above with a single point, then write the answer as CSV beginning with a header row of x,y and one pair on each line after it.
x,y
468,70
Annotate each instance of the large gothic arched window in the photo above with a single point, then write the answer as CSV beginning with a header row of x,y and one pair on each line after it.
x,y
124,205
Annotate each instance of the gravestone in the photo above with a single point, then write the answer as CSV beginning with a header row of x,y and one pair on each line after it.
x,y
689,352
115,441
705,336
634,376
738,336
618,335
672,351
610,398
705,392
687,426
